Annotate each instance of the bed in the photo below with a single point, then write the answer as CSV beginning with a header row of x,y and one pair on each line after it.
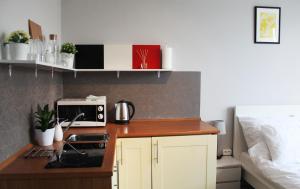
x,y
251,173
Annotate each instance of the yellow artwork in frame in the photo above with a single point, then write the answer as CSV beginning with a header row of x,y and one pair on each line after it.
x,y
267,25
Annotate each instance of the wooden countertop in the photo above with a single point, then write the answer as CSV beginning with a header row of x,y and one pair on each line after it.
x,y
27,168
19,167
171,127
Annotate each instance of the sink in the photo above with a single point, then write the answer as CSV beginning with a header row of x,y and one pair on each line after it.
x,y
92,157
88,137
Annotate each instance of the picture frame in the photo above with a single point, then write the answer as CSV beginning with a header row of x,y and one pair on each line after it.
x,y
267,25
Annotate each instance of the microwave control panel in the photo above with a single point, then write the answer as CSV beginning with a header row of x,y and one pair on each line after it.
x,y
100,113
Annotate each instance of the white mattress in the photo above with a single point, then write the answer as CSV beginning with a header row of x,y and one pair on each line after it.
x,y
273,175
262,172
252,169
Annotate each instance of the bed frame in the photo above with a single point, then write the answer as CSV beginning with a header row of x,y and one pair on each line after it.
x,y
239,143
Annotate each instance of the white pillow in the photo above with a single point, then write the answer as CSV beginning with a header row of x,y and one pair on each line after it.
x,y
256,142
282,139
252,132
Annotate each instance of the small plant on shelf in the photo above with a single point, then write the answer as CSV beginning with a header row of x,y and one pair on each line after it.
x,y
68,50
44,125
16,45
18,36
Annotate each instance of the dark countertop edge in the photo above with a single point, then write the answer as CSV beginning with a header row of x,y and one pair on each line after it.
x,y
54,175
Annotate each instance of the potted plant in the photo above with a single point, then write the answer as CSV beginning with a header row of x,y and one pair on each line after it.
x,y
44,125
16,45
68,50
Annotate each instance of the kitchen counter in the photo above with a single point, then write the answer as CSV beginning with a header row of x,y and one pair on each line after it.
x,y
168,127
17,167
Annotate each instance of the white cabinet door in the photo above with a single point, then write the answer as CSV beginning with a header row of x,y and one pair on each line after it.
x,y
184,162
134,160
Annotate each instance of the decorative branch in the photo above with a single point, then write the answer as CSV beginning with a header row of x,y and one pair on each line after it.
x,y
143,53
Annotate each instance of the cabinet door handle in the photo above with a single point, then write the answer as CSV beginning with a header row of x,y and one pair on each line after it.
x,y
155,150
118,176
118,153
121,153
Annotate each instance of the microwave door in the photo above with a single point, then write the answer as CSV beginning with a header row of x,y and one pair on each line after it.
x,y
69,112
90,113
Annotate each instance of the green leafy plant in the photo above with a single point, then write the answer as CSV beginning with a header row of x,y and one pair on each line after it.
x,y
44,118
68,48
18,36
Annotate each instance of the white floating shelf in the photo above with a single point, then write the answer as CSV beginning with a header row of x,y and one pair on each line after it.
x,y
34,64
116,70
47,66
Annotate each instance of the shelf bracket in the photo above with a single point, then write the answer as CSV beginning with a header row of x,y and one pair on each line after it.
x,y
118,74
158,74
75,74
36,71
52,72
9,70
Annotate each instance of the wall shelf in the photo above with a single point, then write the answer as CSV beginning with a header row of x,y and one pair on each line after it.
x,y
37,65
158,71
33,64
129,70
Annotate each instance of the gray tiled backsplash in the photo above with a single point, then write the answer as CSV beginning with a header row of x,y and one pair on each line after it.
x,y
174,94
19,96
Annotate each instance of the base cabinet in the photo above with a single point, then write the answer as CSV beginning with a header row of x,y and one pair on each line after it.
x,y
184,162
134,163
177,162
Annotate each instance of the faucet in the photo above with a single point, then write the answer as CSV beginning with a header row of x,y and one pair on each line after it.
x,y
70,124
58,155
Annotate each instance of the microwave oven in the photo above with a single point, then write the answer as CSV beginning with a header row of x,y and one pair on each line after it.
x,y
94,112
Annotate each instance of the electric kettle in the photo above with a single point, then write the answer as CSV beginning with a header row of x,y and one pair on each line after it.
x,y
123,113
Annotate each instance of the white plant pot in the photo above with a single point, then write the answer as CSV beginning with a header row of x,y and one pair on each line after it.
x,y
17,51
67,60
44,138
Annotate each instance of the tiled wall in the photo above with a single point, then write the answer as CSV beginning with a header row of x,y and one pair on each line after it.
x,y
19,96
174,94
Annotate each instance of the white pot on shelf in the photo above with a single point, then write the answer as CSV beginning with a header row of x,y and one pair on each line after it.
x,y
44,138
17,51
67,60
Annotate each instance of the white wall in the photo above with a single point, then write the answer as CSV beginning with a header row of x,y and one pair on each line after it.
x,y
211,36
14,15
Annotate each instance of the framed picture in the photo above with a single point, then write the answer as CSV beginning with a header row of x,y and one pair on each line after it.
x,y
267,25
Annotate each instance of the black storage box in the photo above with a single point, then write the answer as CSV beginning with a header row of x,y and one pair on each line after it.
x,y
89,57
